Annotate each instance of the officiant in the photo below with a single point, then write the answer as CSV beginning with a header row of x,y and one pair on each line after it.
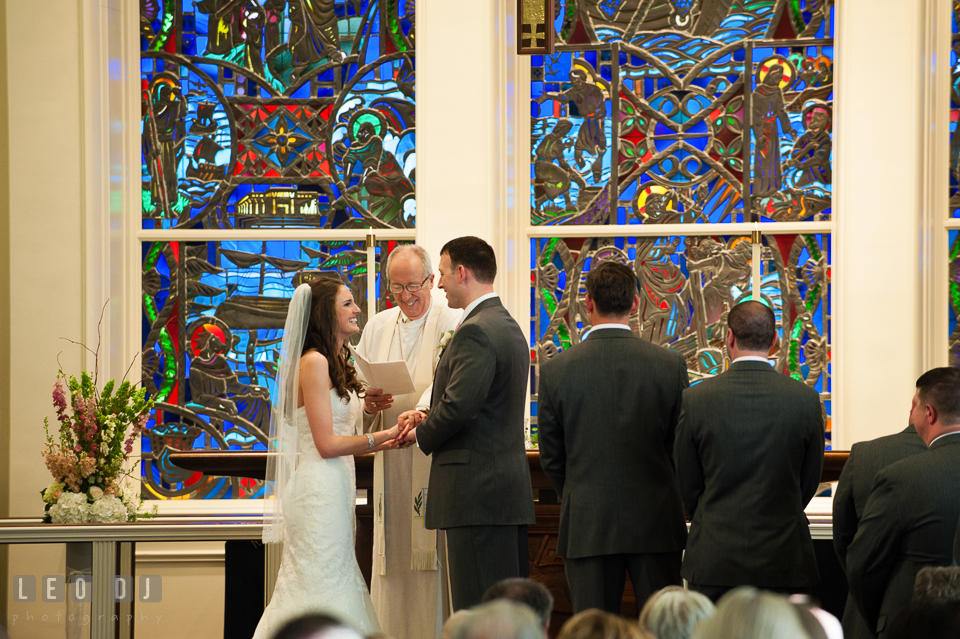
x,y
408,585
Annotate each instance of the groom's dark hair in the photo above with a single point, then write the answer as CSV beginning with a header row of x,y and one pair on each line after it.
x,y
473,254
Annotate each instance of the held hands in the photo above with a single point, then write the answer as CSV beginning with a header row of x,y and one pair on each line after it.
x,y
406,425
375,401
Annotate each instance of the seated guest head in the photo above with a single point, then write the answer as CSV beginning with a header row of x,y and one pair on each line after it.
x,y
818,623
674,612
926,621
751,329
525,591
316,626
452,624
611,292
500,619
597,624
748,613
937,585
935,410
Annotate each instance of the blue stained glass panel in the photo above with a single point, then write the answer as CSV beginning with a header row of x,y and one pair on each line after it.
x,y
346,84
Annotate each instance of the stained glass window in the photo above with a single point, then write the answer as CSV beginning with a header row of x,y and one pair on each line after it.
x,y
705,112
717,111
259,116
314,98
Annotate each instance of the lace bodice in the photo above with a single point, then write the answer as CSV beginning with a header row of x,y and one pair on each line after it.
x,y
346,414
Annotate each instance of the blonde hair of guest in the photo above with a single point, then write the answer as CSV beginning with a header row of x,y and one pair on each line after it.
x,y
748,613
675,612
597,624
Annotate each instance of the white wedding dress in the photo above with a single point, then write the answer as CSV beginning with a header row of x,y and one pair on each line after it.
x,y
318,569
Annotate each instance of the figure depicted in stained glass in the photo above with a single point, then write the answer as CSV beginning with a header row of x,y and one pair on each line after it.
x,y
163,133
314,35
214,384
383,184
718,270
591,106
767,112
556,178
811,153
664,298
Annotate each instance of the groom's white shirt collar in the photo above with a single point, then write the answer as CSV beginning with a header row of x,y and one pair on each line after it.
x,y
472,305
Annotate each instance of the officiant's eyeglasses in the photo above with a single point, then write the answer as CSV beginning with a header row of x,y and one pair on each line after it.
x,y
411,288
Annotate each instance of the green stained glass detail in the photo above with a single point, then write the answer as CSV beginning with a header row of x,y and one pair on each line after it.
x,y
547,252
169,368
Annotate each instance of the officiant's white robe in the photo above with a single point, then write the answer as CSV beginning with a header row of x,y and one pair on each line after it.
x,y
408,602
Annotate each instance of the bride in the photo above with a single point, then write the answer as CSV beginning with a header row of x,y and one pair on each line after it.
x,y
316,411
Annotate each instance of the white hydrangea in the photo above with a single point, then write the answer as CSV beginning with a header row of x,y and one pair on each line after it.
x,y
130,494
71,508
108,510
96,493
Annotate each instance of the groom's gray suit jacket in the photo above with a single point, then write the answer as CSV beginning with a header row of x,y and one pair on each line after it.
x,y
865,461
479,474
749,452
607,415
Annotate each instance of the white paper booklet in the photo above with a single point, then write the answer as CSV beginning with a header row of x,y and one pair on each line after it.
x,y
392,377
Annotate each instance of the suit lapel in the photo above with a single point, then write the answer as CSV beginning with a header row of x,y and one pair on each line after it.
x,y
440,375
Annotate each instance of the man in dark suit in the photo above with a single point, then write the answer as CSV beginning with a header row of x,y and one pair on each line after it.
x,y
606,419
749,452
865,461
910,517
479,488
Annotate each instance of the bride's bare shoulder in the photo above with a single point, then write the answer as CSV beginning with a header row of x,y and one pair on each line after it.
x,y
313,358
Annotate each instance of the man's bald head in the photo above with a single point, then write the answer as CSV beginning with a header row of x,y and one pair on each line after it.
x,y
753,326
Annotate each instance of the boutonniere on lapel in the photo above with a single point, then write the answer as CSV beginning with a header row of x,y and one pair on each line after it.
x,y
445,338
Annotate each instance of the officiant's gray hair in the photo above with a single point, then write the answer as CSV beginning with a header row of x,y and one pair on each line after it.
x,y
415,249
500,619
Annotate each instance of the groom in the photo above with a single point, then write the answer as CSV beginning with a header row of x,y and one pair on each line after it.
x,y
479,490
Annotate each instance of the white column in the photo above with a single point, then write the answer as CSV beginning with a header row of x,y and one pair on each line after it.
x,y
878,286
467,124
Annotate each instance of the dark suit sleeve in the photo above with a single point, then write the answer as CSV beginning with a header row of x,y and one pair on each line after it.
x,y
472,362
873,553
956,546
670,431
686,459
812,468
844,510
553,453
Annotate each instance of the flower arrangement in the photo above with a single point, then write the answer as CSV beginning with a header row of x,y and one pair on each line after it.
x,y
87,459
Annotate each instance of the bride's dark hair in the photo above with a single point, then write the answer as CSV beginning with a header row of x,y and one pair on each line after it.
x,y
322,332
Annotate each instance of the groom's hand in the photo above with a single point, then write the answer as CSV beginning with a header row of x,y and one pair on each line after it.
x,y
408,421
